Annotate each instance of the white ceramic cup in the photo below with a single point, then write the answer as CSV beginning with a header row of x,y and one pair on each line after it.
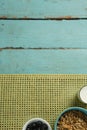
x,y
82,94
34,120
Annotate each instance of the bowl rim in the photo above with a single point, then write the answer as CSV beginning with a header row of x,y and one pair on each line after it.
x,y
36,119
66,110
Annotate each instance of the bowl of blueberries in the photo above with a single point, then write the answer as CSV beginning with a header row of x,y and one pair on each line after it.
x,y
37,124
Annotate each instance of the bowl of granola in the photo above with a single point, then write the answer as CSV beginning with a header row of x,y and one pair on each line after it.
x,y
73,118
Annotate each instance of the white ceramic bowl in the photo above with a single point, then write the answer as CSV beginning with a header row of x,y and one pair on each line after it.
x,y
34,120
82,94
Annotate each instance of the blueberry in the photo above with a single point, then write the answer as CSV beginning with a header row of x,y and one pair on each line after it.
x,y
28,127
45,127
31,126
39,123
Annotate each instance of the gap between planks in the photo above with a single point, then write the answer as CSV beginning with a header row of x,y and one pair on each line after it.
x,y
49,18
39,48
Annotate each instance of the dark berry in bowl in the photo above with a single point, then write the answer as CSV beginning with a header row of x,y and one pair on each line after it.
x,y
37,124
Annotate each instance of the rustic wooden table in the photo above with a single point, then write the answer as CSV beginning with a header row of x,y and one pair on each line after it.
x,y
43,36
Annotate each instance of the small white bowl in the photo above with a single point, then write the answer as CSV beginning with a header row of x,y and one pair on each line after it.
x,y
34,120
82,95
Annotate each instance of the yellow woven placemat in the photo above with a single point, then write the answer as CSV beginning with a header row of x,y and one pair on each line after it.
x,y
23,97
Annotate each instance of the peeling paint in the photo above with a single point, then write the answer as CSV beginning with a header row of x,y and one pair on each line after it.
x,y
45,18
26,18
62,18
3,17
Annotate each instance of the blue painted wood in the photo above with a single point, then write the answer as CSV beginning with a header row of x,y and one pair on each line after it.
x,y
44,34
43,61
43,8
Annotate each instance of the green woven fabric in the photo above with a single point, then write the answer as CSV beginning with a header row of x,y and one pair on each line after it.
x,y
23,97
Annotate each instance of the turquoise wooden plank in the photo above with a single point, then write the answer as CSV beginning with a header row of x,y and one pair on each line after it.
x,y
43,34
43,61
43,8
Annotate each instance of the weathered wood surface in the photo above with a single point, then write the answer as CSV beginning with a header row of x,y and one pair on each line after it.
x,y
43,46
43,61
40,43
43,34
43,9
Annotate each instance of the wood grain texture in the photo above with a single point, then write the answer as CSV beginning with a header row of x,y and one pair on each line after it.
x,y
43,61
43,8
43,34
